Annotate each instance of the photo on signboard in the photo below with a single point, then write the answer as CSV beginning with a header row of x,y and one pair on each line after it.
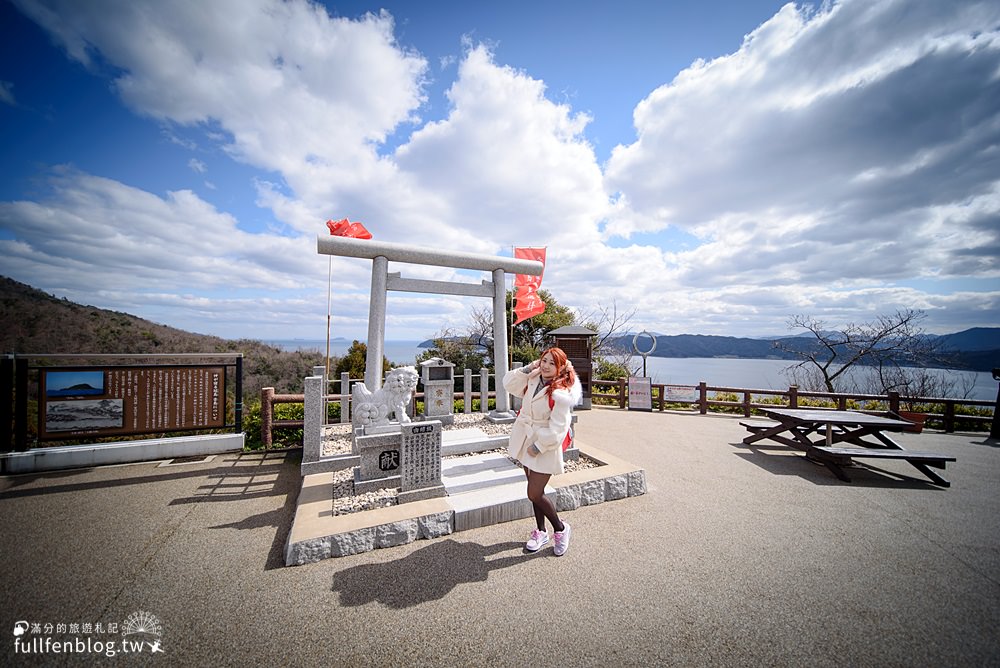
x,y
84,414
74,383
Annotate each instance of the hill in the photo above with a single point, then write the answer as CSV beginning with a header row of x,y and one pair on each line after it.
x,y
975,349
36,322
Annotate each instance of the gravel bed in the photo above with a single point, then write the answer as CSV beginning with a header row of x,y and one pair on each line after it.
x,y
337,440
345,501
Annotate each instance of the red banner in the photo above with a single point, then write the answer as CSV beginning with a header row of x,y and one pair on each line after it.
x,y
345,228
527,304
524,280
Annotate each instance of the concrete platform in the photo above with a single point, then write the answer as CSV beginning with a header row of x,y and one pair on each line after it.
x,y
483,490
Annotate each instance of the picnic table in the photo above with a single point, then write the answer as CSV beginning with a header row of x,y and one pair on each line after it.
x,y
834,438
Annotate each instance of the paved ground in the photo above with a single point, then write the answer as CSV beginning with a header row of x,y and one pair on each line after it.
x,y
736,556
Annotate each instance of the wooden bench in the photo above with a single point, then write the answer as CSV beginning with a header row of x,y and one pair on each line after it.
x,y
759,425
836,457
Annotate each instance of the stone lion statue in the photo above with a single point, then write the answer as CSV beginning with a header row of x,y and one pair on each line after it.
x,y
375,408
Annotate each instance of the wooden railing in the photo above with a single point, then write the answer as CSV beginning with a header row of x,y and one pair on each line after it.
x,y
617,392
891,402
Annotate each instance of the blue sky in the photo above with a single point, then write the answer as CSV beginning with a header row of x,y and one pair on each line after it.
x,y
715,167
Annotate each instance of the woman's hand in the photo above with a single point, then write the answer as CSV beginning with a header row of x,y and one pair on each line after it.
x,y
533,450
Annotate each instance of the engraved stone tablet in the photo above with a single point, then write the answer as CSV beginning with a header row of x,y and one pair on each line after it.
x,y
421,455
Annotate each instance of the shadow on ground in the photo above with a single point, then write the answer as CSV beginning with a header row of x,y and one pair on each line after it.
x,y
419,577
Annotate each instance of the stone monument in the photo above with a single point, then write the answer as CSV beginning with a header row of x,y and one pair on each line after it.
x,y
421,461
374,407
438,378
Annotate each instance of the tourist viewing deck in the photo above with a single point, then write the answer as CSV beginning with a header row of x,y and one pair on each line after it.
x,y
736,555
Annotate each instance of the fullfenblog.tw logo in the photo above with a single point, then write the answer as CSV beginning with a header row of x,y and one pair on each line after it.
x,y
140,633
143,627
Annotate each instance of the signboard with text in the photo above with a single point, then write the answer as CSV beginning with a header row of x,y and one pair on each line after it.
x,y
680,393
113,401
640,393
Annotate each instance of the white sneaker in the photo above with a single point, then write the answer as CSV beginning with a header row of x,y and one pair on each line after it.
x,y
538,540
562,540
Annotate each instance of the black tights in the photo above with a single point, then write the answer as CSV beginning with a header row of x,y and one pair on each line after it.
x,y
544,509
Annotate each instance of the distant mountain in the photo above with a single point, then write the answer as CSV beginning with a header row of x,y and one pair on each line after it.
x,y
974,349
973,340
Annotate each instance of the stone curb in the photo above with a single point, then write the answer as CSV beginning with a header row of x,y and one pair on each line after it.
x,y
317,534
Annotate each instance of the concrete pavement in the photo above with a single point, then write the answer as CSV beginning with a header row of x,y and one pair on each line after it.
x,y
734,556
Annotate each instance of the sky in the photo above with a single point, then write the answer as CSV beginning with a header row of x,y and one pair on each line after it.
x,y
717,168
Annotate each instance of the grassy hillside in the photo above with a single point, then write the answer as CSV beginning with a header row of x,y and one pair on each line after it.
x,y
36,322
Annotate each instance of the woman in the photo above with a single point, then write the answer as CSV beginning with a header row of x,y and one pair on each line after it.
x,y
549,388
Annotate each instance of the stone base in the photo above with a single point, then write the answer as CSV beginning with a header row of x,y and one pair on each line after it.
x,y
421,494
443,419
365,486
373,429
330,464
479,495
497,417
571,454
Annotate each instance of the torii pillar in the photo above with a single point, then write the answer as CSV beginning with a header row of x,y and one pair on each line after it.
x,y
382,252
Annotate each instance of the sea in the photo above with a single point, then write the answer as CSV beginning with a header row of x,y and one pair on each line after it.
x,y
759,374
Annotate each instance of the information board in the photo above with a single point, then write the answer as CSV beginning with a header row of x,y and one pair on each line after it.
x,y
640,393
112,401
680,393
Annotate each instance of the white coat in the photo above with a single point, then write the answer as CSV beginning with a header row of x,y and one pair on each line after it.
x,y
537,423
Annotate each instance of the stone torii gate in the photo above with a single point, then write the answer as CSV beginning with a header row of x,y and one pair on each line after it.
x,y
381,252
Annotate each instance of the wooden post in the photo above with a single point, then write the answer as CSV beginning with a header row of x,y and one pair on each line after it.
x,y
894,402
703,397
793,396
746,404
21,404
622,392
266,415
995,425
6,402
949,416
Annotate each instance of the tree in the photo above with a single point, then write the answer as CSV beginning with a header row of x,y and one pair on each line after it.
x,y
612,359
355,361
529,336
464,352
890,346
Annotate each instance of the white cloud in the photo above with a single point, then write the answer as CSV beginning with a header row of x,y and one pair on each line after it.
x,y
100,242
837,154
7,93
851,147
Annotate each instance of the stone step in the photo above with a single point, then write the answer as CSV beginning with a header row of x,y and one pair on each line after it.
x,y
464,441
487,489
466,474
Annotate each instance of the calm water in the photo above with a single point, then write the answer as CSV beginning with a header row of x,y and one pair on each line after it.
x,y
726,372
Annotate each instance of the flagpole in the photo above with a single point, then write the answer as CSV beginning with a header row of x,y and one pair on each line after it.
x,y
513,293
329,289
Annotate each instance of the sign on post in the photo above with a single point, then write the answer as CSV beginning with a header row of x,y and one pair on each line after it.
x,y
640,393
680,394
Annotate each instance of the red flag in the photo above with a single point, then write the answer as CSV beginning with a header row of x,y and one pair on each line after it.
x,y
527,303
345,228
524,280
528,307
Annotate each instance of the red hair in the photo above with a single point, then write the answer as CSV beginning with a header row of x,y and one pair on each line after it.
x,y
565,376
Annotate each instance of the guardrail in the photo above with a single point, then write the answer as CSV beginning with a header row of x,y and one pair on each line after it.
x,y
890,402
